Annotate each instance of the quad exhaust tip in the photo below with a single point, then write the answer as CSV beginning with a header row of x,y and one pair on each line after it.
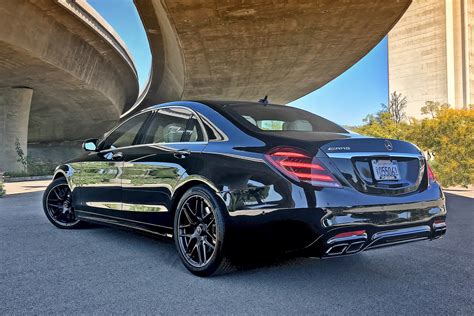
x,y
347,243
355,241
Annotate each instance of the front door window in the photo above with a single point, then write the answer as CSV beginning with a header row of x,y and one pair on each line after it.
x,y
126,133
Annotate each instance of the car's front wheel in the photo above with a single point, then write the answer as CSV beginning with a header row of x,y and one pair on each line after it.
x,y
57,205
199,232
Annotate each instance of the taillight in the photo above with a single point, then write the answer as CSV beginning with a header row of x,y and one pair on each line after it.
x,y
431,175
351,234
299,166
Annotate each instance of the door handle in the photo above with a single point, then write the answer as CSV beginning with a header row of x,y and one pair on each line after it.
x,y
117,156
181,154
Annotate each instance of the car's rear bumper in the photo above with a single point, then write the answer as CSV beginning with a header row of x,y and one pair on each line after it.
x,y
318,231
330,244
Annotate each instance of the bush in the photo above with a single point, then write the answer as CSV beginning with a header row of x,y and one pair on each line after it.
x,y
31,166
2,190
447,136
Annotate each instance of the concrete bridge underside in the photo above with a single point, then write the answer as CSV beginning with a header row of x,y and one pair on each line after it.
x,y
59,79
243,50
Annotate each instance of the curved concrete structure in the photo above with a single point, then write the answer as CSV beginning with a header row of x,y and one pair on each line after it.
x,y
80,73
245,50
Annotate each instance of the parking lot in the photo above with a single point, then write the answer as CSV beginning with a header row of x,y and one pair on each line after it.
x,y
105,270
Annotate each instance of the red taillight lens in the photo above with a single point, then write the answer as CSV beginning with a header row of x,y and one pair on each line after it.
x,y
350,234
431,175
299,166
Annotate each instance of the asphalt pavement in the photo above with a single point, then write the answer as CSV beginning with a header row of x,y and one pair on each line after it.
x,y
101,270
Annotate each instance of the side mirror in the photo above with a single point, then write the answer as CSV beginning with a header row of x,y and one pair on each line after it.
x,y
90,144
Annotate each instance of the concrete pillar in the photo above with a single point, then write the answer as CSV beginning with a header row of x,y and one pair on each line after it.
x,y
15,104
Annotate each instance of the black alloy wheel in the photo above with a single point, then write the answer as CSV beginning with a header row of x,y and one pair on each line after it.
x,y
199,231
57,205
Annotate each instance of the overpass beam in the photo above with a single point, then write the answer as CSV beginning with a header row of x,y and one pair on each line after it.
x,y
15,104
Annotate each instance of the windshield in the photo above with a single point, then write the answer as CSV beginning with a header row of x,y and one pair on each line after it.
x,y
280,118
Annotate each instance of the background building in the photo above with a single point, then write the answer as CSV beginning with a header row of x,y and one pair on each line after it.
x,y
431,54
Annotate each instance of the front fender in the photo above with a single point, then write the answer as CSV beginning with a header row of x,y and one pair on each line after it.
x,y
69,172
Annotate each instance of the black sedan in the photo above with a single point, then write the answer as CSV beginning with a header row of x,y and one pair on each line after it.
x,y
226,177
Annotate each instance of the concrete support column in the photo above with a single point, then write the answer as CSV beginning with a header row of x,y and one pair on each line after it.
x,y
15,104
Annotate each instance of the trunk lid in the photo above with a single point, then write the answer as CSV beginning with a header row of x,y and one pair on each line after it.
x,y
376,166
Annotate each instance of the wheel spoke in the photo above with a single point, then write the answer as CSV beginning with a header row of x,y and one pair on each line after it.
x,y
211,222
204,250
188,247
185,226
55,205
188,217
199,253
192,250
213,238
208,244
57,195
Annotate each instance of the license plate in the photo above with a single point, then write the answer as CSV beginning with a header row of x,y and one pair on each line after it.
x,y
385,170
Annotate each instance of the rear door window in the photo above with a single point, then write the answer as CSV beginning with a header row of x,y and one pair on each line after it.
x,y
193,131
173,125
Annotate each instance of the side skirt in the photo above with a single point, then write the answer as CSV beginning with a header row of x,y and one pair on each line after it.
x,y
147,228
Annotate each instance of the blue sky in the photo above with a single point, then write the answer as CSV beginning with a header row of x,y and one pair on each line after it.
x,y
346,100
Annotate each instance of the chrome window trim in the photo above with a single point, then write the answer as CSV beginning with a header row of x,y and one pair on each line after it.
x,y
151,145
348,155
224,135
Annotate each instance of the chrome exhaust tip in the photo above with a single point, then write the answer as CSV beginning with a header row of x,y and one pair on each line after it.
x,y
355,247
336,250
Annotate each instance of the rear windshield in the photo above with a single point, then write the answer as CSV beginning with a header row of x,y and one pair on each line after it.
x,y
275,118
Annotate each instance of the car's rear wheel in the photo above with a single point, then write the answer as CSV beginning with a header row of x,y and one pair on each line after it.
x,y
57,205
199,232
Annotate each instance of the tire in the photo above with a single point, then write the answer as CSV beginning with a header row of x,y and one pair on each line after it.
x,y
60,212
192,243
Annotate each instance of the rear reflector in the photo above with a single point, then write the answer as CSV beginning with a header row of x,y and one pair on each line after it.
x,y
439,224
350,234
297,165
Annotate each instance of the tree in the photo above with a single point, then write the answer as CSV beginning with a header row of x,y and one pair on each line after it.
x,y
433,108
382,125
396,107
447,135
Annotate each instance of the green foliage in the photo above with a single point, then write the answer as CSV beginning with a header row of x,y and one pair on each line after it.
x,y
31,166
21,154
2,190
433,108
447,136
382,125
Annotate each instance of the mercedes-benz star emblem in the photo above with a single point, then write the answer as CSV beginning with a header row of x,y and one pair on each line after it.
x,y
388,144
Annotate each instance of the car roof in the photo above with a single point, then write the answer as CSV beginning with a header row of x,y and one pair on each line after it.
x,y
215,103
218,105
